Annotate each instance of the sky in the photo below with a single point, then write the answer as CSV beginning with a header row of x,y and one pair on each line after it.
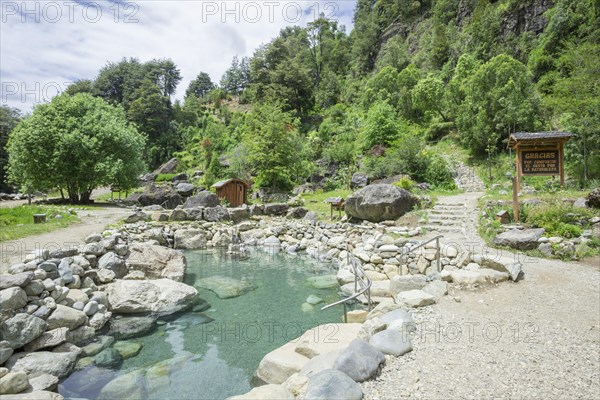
x,y
45,45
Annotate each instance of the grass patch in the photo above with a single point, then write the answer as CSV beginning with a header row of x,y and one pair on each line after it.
x,y
17,222
314,201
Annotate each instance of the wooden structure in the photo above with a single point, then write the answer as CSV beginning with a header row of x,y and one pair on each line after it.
x,y
539,153
39,218
235,191
337,203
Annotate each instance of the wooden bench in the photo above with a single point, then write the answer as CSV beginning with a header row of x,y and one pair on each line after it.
x,y
337,204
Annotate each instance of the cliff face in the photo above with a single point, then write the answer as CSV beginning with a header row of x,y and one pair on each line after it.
x,y
527,17
513,19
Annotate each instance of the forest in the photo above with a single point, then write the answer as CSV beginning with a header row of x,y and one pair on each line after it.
x,y
377,100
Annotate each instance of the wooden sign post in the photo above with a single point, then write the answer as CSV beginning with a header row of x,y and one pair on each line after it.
x,y
539,154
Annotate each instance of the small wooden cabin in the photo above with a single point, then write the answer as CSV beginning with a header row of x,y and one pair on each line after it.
x,y
233,190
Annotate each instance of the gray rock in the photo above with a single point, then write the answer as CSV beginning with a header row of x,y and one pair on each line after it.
x,y
265,392
164,195
202,199
159,296
545,249
238,214
157,261
359,360
323,281
415,298
90,308
137,217
93,238
108,358
392,342
332,384
404,283
35,288
48,266
358,181
131,327
190,239
226,287
185,189
21,280
43,312
48,339
64,316
522,239
178,214
100,343
511,265
378,203
57,364
81,336
114,263
400,319
13,383
215,214
5,351
593,198
22,329
320,363
437,289
276,209
128,349
43,382
12,298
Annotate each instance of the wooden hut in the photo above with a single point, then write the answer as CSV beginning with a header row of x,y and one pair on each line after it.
x,y
233,190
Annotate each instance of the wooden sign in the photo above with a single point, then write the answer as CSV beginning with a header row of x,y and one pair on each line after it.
x,y
540,162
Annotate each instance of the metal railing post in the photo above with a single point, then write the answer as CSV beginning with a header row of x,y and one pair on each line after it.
x,y
437,253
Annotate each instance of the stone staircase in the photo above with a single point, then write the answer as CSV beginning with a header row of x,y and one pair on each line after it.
x,y
446,217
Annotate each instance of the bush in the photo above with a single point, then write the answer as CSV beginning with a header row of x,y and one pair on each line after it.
x,y
165,177
405,183
438,172
559,219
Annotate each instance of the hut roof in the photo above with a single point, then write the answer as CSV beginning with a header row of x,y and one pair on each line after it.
x,y
226,181
538,136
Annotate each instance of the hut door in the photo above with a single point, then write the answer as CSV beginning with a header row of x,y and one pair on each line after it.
x,y
240,196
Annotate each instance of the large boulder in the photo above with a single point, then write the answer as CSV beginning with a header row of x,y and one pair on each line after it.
x,y
13,382
280,364
131,327
159,296
312,344
202,199
359,360
358,181
522,239
333,384
12,298
114,263
22,279
165,196
157,261
185,189
391,341
593,199
22,329
266,392
167,168
215,214
67,317
190,239
378,203
53,363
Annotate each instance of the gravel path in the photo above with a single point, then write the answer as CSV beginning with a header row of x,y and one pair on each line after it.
x,y
91,221
538,338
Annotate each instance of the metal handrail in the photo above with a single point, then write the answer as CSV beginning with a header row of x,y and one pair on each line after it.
x,y
437,252
360,279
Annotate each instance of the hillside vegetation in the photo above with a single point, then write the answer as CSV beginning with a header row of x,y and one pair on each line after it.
x,y
317,104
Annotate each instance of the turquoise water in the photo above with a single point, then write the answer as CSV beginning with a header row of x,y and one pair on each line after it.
x,y
213,354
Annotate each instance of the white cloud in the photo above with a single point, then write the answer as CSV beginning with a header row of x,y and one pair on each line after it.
x,y
46,44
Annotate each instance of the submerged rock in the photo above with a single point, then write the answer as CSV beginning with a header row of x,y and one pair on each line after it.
x,y
225,287
323,281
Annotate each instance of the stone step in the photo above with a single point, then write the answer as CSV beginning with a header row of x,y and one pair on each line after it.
x,y
441,215
444,222
438,228
446,208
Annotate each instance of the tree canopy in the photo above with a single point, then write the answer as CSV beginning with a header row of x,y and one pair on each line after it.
x,y
76,144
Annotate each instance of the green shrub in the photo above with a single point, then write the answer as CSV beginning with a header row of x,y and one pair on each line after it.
x,y
559,218
165,177
438,171
405,183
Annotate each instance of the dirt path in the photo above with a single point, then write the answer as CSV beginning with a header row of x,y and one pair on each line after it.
x,y
91,221
538,338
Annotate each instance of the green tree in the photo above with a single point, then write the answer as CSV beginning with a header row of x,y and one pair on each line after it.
x,y
500,99
81,86
200,86
165,74
381,126
271,138
9,118
75,143
428,95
